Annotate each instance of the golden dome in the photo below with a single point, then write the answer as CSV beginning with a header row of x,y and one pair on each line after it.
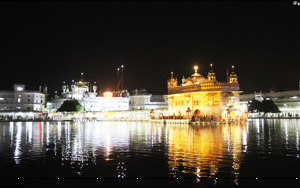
x,y
195,78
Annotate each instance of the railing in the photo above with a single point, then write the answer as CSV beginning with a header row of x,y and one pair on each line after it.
x,y
204,87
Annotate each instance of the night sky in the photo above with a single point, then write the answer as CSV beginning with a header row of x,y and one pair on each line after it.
x,y
51,42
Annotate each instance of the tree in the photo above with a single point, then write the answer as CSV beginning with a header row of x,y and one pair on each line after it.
x,y
70,106
255,106
269,106
264,106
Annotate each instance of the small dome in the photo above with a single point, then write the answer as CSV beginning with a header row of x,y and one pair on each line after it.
x,y
195,78
81,82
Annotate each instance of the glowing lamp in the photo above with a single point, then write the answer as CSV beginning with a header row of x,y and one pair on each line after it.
x,y
108,94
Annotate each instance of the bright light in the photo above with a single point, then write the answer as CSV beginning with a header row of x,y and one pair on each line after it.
x,y
196,67
122,66
19,89
107,94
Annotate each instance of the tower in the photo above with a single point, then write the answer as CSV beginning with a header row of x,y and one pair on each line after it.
x,y
94,87
64,87
233,79
172,82
122,76
118,80
211,74
73,86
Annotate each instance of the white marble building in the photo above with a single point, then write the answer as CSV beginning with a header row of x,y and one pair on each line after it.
x,y
141,100
288,102
86,94
21,103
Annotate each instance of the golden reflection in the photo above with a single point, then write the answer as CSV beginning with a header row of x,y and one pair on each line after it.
x,y
201,150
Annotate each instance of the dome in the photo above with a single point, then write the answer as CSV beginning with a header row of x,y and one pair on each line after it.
x,y
81,82
195,78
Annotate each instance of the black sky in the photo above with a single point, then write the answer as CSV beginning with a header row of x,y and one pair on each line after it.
x,y
51,42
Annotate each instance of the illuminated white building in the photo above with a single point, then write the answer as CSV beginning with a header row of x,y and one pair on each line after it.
x,y
141,100
21,103
288,102
86,94
79,89
106,103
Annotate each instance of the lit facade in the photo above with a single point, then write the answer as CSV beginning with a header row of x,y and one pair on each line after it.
x,y
86,94
21,103
288,102
205,96
141,100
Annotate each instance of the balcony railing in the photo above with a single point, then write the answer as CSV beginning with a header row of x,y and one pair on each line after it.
x,y
204,87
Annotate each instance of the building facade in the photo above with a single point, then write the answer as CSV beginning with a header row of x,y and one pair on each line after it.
x,y
87,96
200,96
141,100
22,104
288,102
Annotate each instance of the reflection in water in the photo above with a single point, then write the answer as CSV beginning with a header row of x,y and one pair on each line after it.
x,y
202,150
128,149
18,144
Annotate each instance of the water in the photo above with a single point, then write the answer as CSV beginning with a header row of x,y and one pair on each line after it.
x,y
145,154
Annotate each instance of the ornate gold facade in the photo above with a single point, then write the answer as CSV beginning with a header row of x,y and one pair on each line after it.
x,y
205,96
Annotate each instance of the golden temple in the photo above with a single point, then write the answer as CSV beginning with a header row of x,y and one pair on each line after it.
x,y
198,96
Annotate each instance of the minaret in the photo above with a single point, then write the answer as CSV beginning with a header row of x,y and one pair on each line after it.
x,y
172,82
64,87
233,79
94,87
211,74
55,95
73,86
118,80
122,76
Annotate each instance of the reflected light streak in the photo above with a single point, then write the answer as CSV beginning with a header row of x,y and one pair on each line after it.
x,y
29,131
39,132
17,152
59,130
11,131
47,133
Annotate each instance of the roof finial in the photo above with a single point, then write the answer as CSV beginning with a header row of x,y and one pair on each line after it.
x,y
196,69
232,69
172,75
211,67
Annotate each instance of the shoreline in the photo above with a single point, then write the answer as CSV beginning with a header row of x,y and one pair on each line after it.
x,y
166,121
